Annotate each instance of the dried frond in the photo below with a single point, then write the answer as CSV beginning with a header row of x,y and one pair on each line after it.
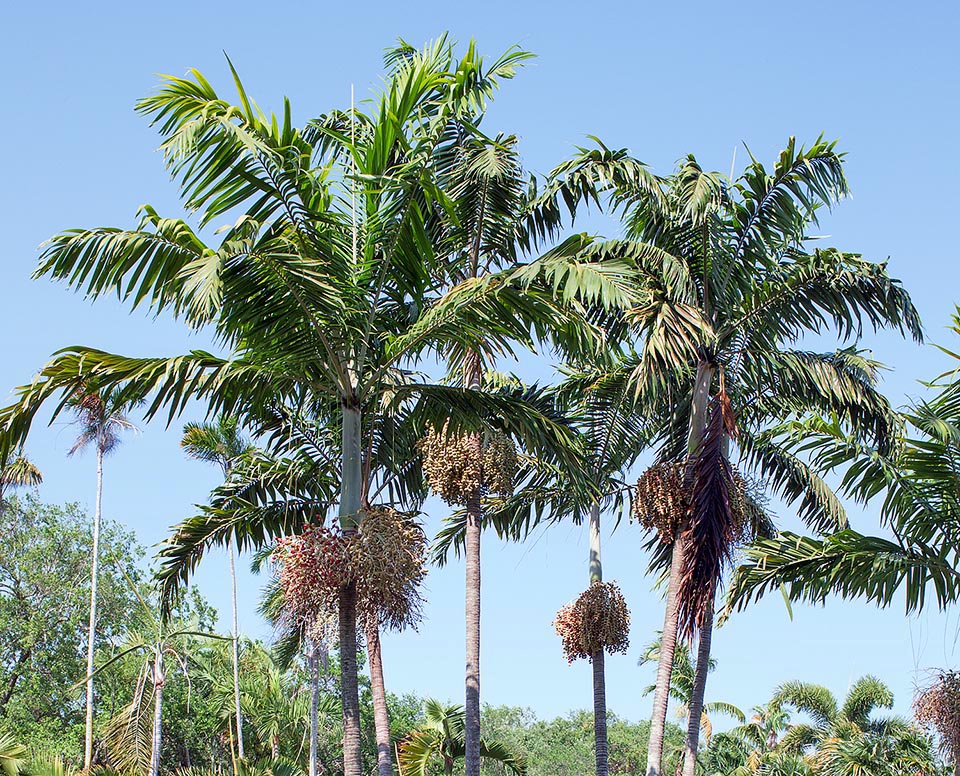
x,y
712,532
597,619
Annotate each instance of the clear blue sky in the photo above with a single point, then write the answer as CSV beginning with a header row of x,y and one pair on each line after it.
x,y
663,79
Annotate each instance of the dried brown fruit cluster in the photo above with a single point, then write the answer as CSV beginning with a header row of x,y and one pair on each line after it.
x,y
660,500
456,466
937,708
386,558
390,553
597,619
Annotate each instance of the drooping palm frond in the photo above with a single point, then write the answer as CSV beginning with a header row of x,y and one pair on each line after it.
x,y
712,526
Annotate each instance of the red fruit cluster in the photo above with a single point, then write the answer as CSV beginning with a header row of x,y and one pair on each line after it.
x,y
313,566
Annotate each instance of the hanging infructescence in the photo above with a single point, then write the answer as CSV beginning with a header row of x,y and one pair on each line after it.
x,y
456,465
661,502
597,620
937,708
386,558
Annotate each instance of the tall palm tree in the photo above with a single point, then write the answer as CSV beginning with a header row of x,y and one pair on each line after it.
x,y
318,292
732,284
499,217
442,736
100,415
222,443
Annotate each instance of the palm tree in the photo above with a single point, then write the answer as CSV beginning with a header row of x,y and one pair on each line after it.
x,y
732,286
681,688
845,738
13,756
442,736
222,443
319,292
19,472
134,735
101,418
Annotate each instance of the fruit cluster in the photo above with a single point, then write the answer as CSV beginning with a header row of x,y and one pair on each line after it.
x,y
312,567
499,464
458,465
389,556
598,619
660,499
386,558
937,708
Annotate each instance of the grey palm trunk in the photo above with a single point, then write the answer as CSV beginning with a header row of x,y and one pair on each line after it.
x,y
236,651
378,692
472,552
597,659
350,505
668,639
92,624
696,697
156,741
313,664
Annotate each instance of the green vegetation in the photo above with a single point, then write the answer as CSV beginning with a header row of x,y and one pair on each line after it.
x,y
382,264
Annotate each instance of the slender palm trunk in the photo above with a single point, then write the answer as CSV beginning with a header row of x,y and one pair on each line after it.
x,y
472,553
313,661
92,625
668,639
696,696
472,705
158,679
381,720
668,644
597,659
236,651
350,504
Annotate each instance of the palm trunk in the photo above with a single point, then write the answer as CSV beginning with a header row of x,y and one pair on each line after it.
x,y
350,504
668,645
313,663
599,678
696,697
472,706
381,720
472,551
668,639
92,625
236,651
158,679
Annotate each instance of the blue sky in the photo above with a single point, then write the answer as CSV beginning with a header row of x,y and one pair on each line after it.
x,y
662,79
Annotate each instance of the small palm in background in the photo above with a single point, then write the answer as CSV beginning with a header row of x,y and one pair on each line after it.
x,y
441,737
681,688
222,443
